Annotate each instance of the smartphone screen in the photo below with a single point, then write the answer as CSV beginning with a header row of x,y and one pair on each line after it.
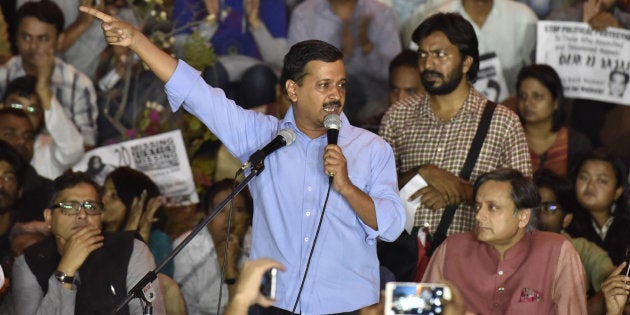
x,y
415,298
268,284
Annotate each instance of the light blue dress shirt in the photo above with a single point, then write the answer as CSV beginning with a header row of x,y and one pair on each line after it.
x,y
289,195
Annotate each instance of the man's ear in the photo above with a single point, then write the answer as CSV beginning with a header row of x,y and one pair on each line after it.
x,y
567,220
47,216
523,217
468,62
60,39
291,87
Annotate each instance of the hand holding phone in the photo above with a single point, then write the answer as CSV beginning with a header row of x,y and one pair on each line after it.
x,y
268,284
415,298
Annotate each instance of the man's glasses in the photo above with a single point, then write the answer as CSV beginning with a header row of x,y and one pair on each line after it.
x,y
31,109
74,207
8,178
550,207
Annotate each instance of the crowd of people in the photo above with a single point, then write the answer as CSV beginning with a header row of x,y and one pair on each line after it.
x,y
517,200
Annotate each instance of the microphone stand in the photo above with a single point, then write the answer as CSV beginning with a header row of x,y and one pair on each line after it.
x,y
138,291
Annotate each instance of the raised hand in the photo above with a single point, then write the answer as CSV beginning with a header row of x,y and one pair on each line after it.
x,y
45,67
335,163
615,290
247,289
78,247
116,32
252,10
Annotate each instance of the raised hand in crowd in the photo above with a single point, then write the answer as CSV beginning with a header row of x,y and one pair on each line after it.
x,y
212,6
598,16
252,11
45,68
616,290
77,248
142,214
247,291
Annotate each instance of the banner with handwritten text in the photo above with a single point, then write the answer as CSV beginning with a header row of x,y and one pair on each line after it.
x,y
592,64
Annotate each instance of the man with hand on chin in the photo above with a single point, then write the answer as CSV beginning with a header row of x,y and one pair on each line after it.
x,y
78,270
343,274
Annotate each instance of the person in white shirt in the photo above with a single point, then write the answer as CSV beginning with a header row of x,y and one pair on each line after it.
x,y
55,148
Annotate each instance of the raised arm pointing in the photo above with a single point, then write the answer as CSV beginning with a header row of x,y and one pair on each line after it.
x,y
121,33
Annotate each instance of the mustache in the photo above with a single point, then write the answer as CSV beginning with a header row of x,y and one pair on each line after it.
x,y
429,72
332,104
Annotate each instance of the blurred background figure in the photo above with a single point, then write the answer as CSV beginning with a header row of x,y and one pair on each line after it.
x,y
541,108
601,215
199,266
557,203
133,203
55,147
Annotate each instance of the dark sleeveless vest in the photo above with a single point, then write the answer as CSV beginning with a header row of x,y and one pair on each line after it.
x,y
103,283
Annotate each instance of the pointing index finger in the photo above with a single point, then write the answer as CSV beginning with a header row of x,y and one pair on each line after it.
x,y
97,14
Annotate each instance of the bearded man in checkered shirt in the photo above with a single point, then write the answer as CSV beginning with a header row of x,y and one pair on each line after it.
x,y
432,133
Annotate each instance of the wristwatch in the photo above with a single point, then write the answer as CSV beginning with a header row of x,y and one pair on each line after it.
x,y
63,278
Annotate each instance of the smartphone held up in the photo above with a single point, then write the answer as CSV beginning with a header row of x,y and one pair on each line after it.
x,y
415,298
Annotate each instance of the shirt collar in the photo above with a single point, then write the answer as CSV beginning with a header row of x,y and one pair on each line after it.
x,y
472,105
289,122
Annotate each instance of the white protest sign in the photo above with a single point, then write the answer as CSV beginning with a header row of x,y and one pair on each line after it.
x,y
490,81
592,64
162,157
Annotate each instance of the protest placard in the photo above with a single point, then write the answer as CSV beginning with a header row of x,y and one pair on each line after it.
x,y
162,157
490,81
592,64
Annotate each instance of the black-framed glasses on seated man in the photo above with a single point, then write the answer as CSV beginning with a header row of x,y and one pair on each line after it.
x,y
74,207
550,207
31,109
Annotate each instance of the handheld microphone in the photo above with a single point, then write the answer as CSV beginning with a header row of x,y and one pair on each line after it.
x,y
285,137
332,122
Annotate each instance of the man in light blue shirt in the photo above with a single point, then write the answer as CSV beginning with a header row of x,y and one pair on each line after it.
x,y
289,194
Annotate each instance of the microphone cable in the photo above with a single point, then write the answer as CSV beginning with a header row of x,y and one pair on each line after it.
x,y
227,241
310,255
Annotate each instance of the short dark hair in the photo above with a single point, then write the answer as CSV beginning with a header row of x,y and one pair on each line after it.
x,y
302,53
546,75
626,76
129,184
406,58
45,11
23,86
560,186
10,155
458,31
71,179
605,154
523,192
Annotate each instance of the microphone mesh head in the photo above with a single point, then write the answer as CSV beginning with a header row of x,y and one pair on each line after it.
x,y
332,121
288,134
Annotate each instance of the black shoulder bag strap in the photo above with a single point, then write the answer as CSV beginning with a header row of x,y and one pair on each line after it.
x,y
475,148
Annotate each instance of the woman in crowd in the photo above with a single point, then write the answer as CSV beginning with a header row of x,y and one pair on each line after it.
x,y
601,215
133,203
552,145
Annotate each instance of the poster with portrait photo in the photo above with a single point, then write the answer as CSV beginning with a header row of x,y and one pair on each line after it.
x,y
162,157
592,64
490,81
